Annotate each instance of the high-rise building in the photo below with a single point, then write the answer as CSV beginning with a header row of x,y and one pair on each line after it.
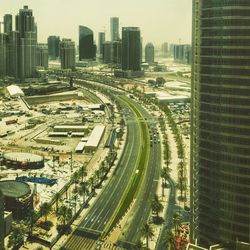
x,y
107,52
149,53
182,53
114,28
25,25
131,39
53,47
7,20
101,41
117,52
67,54
42,55
220,141
3,54
87,48
2,226
13,48
164,49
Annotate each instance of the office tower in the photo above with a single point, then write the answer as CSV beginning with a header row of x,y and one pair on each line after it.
x,y
117,52
53,47
3,54
164,49
25,25
13,54
114,28
220,141
182,53
2,226
67,54
42,55
101,41
149,53
7,20
87,48
107,52
131,48
171,49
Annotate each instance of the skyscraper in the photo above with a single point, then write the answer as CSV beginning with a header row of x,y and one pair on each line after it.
x,y
149,53
107,52
220,141
164,49
25,25
3,54
53,47
87,48
117,52
101,41
131,40
67,54
7,20
42,55
114,28
182,53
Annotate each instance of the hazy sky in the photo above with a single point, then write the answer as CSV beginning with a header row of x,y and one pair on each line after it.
x,y
159,20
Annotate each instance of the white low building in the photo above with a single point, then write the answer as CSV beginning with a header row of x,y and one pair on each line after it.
x,y
95,138
15,91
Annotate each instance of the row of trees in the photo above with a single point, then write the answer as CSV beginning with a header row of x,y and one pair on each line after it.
x,y
181,167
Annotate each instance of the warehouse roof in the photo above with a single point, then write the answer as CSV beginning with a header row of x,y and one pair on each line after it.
x,y
95,136
80,146
15,90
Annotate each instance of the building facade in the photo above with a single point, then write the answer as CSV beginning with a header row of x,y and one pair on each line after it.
x,y
53,47
42,55
131,49
114,28
220,138
101,41
182,53
164,49
87,48
25,25
107,52
149,53
7,21
67,54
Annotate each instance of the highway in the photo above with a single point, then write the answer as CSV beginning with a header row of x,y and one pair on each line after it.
x,y
147,190
94,223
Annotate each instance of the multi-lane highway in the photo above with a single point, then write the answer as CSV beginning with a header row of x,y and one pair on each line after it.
x,y
100,214
147,190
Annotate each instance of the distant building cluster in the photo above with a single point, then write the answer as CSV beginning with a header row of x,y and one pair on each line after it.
x,y
182,53
18,48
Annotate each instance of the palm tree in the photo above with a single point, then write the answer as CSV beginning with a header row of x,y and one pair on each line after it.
x,y
45,209
16,235
176,222
157,207
64,214
75,178
83,172
57,197
83,189
169,240
147,232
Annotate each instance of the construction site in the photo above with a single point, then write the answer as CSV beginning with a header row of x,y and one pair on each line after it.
x,y
46,138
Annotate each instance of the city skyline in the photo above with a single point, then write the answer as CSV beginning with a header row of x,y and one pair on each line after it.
x,y
98,18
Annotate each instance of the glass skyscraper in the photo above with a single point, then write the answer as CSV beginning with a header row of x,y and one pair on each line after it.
x,y
131,48
220,142
87,48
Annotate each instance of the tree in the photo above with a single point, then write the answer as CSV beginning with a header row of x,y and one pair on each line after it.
x,y
75,177
157,207
160,81
147,232
83,189
169,240
176,222
64,214
16,235
83,172
45,209
57,197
